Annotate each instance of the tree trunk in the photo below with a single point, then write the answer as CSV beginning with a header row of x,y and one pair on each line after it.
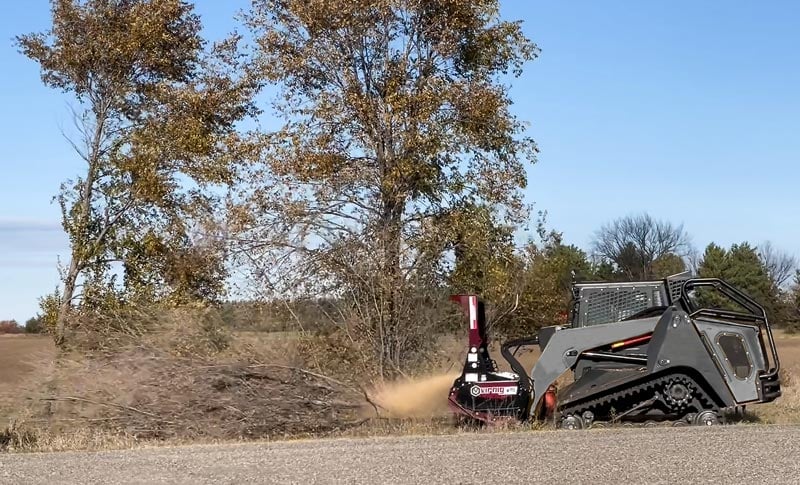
x,y
70,281
391,283
80,241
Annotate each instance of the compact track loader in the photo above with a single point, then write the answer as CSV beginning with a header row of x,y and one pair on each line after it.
x,y
679,351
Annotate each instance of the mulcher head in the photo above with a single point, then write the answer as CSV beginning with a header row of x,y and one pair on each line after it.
x,y
482,392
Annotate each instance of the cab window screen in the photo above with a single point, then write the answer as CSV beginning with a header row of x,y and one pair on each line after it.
x,y
607,305
736,354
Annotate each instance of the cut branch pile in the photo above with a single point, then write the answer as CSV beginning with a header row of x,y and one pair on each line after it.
x,y
166,397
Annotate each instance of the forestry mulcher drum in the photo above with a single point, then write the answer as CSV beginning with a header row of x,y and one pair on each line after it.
x,y
682,351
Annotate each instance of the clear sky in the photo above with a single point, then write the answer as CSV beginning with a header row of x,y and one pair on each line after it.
x,y
687,110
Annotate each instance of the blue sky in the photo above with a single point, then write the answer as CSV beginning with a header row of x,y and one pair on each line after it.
x,y
687,110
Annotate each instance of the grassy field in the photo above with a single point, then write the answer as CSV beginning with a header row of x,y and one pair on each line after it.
x,y
786,409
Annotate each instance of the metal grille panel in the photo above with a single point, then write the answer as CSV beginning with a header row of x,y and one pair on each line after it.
x,y
675,287
612,304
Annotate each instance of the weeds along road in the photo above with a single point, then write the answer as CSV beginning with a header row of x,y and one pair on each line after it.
x,y
724,454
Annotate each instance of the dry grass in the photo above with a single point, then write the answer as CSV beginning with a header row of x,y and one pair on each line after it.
x,y
786,409
21,436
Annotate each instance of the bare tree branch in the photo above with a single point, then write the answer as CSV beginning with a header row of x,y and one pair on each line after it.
x,y
635,243
779,264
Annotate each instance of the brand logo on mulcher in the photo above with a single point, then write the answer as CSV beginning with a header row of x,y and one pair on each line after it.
x,y
497,390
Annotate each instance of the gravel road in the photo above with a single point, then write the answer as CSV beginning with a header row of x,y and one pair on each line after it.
x,y
724,454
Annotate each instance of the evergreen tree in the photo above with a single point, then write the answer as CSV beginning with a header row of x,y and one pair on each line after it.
x,y
741,267
746,271
713,263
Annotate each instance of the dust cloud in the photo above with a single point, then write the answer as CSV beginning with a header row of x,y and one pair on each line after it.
x,y
421,397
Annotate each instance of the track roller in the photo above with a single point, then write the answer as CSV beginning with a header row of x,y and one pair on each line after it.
x,y
707,418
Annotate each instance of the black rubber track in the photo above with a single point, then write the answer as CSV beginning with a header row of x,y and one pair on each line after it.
x,y
623,399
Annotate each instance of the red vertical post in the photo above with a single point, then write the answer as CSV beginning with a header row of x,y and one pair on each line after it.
x,y
470,305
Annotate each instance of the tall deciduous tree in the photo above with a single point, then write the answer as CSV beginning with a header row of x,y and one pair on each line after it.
x,y
641,246
549,271
154,118
395,116
667,265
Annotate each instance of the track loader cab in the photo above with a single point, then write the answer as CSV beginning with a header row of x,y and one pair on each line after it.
x,y
596,304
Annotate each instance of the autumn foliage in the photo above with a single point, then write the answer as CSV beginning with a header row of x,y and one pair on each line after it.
x,y
10,327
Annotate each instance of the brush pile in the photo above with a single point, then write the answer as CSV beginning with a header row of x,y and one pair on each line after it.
x,y
185,377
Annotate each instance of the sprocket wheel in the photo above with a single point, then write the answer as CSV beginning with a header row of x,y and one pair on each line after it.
x,y
677,394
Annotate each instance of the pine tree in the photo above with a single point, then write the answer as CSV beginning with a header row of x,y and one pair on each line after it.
x,y
714,262
741,267
746,271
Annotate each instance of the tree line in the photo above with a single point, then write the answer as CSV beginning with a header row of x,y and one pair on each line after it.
x,y
32,325
394,178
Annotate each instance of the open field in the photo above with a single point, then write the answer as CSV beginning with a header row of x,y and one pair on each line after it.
x,y
654,455
20,356
25,361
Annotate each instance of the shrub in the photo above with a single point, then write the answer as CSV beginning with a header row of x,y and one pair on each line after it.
x,y
10,326
35,325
